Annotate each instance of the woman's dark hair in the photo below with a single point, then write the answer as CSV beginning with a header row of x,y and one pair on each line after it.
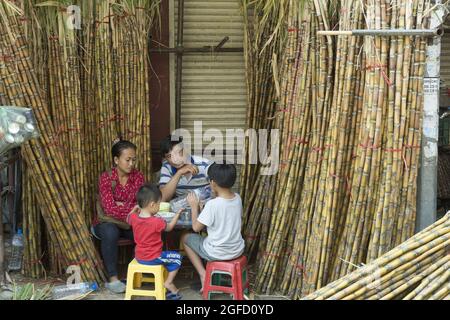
x,y
222,174
148,193
168,143
121,145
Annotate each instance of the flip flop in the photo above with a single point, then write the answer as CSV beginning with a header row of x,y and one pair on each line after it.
x,y
173,296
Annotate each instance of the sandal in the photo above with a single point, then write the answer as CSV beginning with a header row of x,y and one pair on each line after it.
x,y
173,296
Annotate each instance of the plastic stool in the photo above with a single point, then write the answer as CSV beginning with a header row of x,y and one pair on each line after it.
x,y
237,269
135,279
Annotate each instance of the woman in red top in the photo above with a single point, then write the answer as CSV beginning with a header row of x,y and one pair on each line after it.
x,y
117,203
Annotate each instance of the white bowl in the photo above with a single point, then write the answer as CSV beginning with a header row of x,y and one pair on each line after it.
x,y
166,215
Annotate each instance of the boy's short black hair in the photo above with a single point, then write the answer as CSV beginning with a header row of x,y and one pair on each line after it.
x,y
222,174
148,193
168,143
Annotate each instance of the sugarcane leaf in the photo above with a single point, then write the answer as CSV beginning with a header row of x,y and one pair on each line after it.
x,y
13,7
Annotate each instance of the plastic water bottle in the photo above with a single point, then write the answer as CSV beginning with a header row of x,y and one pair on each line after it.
x,y
178,203
77,289
203,193
15,261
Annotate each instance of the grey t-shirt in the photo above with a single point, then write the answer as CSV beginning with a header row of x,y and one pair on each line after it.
x,y
223,219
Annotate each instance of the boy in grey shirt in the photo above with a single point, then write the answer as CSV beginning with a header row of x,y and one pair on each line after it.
x,y
222,218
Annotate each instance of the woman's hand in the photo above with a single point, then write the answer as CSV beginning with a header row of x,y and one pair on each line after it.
x,y
192,200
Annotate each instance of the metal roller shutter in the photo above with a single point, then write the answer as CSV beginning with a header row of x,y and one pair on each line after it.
x,y
213,84
213,87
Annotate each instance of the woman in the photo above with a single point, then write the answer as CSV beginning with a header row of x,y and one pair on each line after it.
x,y
117,202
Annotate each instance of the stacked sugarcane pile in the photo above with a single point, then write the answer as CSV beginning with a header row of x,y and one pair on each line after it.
x,y
96,83
115,80
131,23
263,28
349,114
418,269
54,189
59,50
443,173
32,223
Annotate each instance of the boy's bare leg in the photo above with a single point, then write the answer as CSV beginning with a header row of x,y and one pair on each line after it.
x,y
169,281
195,260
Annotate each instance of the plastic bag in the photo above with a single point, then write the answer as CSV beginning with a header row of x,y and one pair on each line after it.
x,y
17,125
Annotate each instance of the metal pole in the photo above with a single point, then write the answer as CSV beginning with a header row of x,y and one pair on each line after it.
x,y
427,179
179,64
432,32
195,50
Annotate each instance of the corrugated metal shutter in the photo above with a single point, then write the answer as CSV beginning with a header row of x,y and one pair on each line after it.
x,y
213,86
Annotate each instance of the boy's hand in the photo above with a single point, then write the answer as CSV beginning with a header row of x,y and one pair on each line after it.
x,y
192,200
179,212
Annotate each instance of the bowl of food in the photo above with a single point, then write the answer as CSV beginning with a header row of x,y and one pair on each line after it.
x,y
164,207
166,215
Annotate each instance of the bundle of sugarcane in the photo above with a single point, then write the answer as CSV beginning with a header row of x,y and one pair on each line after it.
x,y
60,49
130,23
104,127
349,145
443,174
297,69
56,196
108,110
325,189
264,36
32,228
416,269
115,89
381,213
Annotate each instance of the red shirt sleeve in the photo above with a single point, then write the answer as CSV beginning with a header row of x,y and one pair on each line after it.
x,y
161,225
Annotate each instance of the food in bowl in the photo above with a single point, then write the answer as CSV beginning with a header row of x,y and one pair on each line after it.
x,y
164,206
166,215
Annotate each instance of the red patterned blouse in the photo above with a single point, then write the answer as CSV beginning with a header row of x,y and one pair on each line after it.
x,y
125,194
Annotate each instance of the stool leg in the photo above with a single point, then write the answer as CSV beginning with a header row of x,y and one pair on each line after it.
x,y
129,289
160,290
237,283
137,281
207,284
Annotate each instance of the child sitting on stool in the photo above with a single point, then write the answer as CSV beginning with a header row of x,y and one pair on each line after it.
x,y
147,231
222,217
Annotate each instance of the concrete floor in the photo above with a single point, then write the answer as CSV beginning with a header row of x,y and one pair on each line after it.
x,y
183,281
185,278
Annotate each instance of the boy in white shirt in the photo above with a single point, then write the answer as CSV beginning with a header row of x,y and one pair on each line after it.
x,y
222,218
